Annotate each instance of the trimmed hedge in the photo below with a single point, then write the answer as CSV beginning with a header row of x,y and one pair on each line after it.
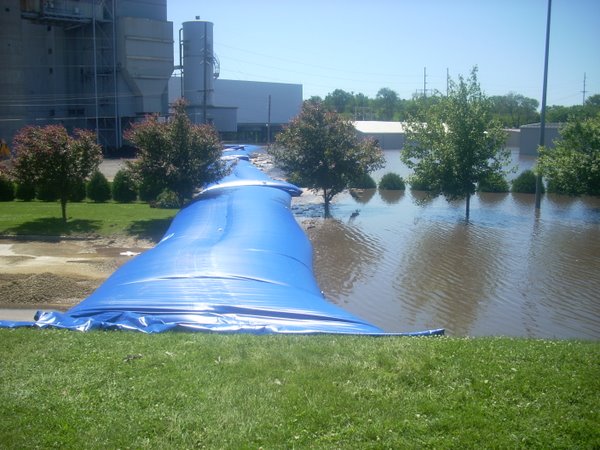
x,y
98,188
25,192
525,183
7,189
494,182
124,189
366,181
392,182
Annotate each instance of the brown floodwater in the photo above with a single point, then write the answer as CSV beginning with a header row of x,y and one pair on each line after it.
x,y
407,264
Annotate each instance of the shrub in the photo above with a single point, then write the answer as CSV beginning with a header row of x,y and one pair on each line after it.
x,y
25,191
46,192
365,181
494,182
150,189
167,199
555,187
392,182
418,184
123,187
98,189
525,183
77,193
7,189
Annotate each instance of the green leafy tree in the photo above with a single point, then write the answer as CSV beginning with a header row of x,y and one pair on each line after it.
x,y
514,110
49,156
573,165
387,103
176,155
322,151
455,143
340,101
563,114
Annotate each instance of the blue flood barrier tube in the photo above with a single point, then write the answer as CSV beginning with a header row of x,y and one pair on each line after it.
x,y
234,260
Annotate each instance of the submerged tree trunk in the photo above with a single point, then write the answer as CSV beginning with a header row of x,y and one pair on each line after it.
x,y
468,208
326,204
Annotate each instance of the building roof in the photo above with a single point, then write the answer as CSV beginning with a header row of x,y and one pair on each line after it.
x,y
379,127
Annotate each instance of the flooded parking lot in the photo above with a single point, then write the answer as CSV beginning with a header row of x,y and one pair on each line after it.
x,y
407,265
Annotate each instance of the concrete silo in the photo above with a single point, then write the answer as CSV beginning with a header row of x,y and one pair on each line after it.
x,y
198,63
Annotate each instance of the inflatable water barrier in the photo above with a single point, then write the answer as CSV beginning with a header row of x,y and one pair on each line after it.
x,y
234,260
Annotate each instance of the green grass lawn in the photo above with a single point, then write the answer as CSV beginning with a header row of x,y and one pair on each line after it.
x,y
87,218
62,389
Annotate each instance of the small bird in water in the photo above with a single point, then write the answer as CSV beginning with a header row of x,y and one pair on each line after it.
x,y
354,214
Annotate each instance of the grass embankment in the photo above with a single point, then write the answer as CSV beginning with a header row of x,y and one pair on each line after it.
x,y
44,219
176,390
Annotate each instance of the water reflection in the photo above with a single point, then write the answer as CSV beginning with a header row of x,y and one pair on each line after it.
x,y
362,196
509,271
343,257
453,271
391,197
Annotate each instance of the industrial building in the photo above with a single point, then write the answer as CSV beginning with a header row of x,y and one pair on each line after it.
x,y
250,111
95,64
103,64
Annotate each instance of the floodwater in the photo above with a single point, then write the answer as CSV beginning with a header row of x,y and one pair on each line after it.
x,y
405,264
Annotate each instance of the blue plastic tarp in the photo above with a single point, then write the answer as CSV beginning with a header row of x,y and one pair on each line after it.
x,y
234,260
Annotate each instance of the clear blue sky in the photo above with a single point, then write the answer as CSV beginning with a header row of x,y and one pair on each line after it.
x,y
362,46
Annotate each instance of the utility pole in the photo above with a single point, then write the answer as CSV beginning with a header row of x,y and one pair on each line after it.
x,y
538,178
447,81
584,91
269,121
424,81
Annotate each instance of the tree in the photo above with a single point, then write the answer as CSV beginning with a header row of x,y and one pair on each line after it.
x,y
48,156
322,150
454,143
573,165
340,101
176,155
387,103
514,110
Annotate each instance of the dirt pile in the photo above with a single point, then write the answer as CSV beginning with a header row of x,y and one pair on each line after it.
x,y
44,289
59,274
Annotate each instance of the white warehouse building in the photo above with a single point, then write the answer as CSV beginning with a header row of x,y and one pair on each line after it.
x,y
252,109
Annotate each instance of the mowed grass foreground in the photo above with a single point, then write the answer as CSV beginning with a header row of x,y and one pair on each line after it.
x,y
62,389
86,218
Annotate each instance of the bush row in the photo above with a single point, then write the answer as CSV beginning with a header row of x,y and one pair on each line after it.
x,y
524,183
123,189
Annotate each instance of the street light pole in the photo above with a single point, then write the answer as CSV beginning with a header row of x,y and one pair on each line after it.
x,y
538,178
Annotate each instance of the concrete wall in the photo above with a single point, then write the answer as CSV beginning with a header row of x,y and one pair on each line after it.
x,y
530,137
246,103
252,100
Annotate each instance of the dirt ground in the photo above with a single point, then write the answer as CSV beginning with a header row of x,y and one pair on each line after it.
x,y
56,274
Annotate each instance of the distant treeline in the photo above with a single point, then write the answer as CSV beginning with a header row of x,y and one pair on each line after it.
x,y
512,109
